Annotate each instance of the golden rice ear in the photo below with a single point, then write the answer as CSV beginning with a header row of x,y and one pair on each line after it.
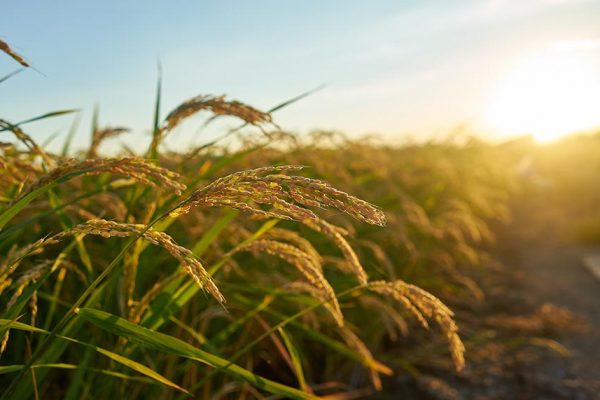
x,y
294,238
102,134
29,277
320,295
16,255
16,171
303,263
314,192
218,106
6,48
424,305
350,256
107,229
33,147
190,263
140,170
285,195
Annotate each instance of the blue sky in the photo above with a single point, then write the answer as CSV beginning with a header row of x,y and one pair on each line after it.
x,y
397,68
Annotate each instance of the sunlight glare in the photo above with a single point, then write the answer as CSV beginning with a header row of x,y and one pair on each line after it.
x,y
548,96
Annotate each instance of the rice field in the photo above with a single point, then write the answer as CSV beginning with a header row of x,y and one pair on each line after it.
x,y
262,264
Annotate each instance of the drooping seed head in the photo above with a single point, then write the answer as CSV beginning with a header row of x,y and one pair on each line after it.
x,y
218,106
303,263
140,170
424,305
15,56
267,191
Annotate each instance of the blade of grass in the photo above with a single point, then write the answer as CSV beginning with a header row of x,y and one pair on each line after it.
x,y
334,345
69,139
7,369
134,365
50,139
78,381
13,210
165,343
66,222
6,77
153,150
46,116
266,334
238,323
295,356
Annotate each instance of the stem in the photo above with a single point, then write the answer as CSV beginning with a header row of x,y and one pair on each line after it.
x,y
65,319
267,333
71,312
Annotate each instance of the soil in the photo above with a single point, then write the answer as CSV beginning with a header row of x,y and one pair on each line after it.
x,y
543,307
548,263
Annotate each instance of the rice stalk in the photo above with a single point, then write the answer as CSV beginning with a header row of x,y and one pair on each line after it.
x,y
107,229
219,106
29,277
334,233
354,342
304,263
15,56
314,292
140,170
191,264
26,140
294,238
16,255
424,305
100,135
283,195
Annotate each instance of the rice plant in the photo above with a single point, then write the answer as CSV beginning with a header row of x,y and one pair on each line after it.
x,y
280,265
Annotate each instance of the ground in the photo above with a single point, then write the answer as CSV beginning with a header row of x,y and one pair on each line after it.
x,y
541,315
538,247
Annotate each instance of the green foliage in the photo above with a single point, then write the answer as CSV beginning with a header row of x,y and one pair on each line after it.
x,y
141,310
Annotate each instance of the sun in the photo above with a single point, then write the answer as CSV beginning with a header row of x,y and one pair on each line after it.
x,y
548,95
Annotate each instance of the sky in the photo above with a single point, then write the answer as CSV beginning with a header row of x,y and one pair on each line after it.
x,y
400,69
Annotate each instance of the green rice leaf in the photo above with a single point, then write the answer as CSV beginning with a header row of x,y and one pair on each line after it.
x,y
169,344
295,356
134,365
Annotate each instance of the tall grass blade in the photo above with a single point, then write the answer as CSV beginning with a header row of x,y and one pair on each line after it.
x,y
134,365
6,77
153,151
295,356
169,344
49,115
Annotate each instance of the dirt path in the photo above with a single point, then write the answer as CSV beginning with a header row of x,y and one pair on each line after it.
x,y
557,276
550,269
539,265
